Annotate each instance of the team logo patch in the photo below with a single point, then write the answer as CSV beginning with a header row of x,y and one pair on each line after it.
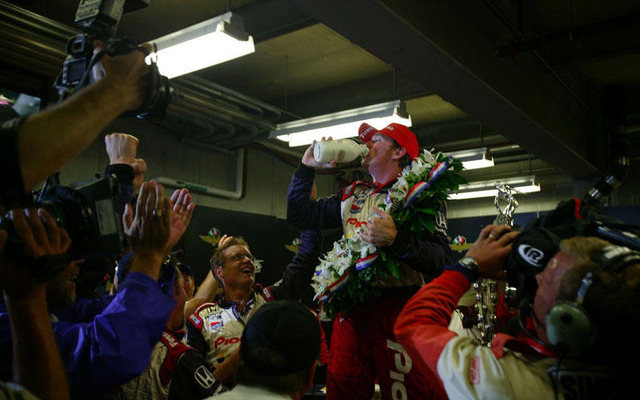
x,y
215,322
356,206
204,378
531,255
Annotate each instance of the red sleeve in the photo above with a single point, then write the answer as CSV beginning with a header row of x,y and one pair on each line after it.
x,y
423,325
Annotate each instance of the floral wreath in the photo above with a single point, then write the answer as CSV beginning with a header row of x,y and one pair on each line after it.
x,y
347,274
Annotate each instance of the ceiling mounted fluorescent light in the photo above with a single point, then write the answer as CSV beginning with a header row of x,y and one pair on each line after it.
x,y
342,124
478,189
208,43
474,158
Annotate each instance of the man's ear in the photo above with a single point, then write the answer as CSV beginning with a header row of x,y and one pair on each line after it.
x,y
399,153
217,271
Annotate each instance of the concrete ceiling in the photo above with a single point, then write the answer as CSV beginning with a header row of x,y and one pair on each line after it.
x,y
528,79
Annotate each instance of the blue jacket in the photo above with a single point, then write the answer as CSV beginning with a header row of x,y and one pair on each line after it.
x,y
107,341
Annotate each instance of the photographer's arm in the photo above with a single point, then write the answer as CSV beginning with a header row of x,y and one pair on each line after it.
x,y
50,138
37,363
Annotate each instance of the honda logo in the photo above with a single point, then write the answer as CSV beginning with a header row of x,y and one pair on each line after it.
x,y
204,377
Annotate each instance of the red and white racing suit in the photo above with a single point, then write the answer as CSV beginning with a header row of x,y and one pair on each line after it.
x,y
215,329
512,368
363,347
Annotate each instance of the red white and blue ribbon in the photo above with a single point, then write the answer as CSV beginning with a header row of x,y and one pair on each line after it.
x,y
366,261
438,170
335,287
415,191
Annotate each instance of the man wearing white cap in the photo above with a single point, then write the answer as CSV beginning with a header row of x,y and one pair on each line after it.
x,y
363,347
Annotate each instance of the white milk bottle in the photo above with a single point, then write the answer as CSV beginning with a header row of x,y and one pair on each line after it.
x,y
344,150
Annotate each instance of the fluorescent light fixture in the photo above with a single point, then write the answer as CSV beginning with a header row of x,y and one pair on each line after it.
x,y
342,124
478,189
474,158
208,43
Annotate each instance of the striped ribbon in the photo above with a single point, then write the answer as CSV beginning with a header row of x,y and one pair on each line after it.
x,y
335,287
415,191
366,262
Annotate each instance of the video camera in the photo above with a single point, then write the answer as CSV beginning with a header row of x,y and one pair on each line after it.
x,y
98,20
86,210
540,240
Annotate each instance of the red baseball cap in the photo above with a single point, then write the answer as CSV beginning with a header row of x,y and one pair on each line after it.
x,y
400,133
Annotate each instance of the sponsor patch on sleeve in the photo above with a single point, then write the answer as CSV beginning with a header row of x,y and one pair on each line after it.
x,y
196,321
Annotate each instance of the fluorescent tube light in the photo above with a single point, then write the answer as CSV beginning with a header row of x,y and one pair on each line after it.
x,y
474,158
208,43
340,125
488,188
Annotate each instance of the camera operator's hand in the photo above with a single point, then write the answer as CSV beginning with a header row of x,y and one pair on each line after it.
x,y
25,298
180,216
121,148
125,74
309,160
150,229
491,249
40,236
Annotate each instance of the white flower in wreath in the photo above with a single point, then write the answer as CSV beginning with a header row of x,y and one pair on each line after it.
x,y
429,158
343,265
401,185
361,247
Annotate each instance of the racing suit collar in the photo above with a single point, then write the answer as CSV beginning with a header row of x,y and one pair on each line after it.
x,y
232,304
380,186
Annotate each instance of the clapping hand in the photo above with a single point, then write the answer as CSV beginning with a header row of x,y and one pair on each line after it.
x,y
150,229
181,214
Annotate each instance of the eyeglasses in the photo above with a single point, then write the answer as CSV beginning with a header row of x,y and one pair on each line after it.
x,y
239,257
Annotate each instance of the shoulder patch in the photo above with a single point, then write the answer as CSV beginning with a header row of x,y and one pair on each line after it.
x,y
267,295
350,190
195,320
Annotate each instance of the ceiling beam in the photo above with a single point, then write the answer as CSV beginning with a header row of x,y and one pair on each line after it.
x,y
449,47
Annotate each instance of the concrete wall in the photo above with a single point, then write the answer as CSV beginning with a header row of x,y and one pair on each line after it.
x,y
266,177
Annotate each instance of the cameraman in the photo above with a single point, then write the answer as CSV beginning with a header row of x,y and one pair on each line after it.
x,y
112,344
39,144
532,367
25,300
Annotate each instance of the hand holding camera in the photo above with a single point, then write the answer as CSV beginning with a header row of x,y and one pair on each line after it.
x,y
40,237
491,249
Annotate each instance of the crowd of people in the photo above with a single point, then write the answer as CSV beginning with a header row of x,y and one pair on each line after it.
x,y
154,336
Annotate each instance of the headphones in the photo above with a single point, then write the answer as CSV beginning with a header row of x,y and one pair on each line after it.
x,y
569,326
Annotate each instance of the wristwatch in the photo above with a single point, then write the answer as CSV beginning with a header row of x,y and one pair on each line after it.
x,y
468,266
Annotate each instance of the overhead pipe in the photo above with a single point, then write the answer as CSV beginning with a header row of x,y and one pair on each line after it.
x,y
235,194
231,138
200,116
232,96
230,114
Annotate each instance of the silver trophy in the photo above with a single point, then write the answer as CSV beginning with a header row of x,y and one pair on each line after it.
x,y
488,291
507,194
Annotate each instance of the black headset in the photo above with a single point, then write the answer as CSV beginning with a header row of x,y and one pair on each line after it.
x,y
570,328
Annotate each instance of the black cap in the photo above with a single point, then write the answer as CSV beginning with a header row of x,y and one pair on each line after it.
x,y
282,337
